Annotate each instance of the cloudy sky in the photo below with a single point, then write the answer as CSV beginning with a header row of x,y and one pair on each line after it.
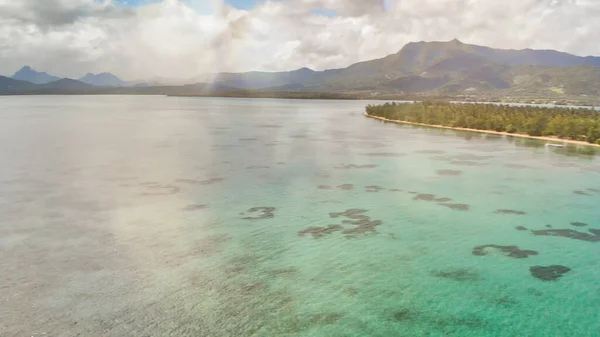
x,y
142,39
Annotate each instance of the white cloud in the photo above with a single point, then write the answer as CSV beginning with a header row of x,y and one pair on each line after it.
x,y
183,39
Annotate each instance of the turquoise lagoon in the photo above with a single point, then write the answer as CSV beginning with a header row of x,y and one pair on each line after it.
x,y
158,216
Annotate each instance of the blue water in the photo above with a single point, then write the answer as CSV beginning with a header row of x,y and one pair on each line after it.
x,y
158,216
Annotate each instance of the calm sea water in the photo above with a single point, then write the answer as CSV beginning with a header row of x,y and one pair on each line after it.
x,y
157,216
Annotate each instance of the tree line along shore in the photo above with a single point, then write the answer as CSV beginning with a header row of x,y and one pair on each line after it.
x,y
576,124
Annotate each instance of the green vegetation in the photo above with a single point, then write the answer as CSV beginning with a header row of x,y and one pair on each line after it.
x,y
567,123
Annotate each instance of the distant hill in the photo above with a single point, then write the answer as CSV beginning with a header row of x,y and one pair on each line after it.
x,y
30,75
8,84
102,80
65,84
260,80
69,86
61,86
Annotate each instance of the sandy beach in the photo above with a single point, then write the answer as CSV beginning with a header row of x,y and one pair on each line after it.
x,y
550,139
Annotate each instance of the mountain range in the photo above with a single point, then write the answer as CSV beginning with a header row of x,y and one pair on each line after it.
x,y
103,80
424,68
100,80
29,75
448,67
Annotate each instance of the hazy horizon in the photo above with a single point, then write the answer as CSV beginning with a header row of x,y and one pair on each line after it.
x,y
182,39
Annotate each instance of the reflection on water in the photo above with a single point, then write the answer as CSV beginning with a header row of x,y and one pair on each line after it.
x,y
157,216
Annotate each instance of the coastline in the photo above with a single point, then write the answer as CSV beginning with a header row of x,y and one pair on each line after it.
x,y
550,139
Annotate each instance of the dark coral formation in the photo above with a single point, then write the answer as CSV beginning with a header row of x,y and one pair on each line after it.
x,y
449,172
319,232
352,166
362,227
425,197
374,188
521,228
549,273
581,193
363,223
430,197
264,213
510,211
353,213
594,190
187,181
467,163
513,251
578,224
571,234
431,151
469,156
369,144
159,189
456,207
211,181
384,154
199,182
404,315
344,187
395,190
459,274
466,159
247,139
195,207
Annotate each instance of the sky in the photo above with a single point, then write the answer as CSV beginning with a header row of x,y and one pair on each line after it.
x,y
185,39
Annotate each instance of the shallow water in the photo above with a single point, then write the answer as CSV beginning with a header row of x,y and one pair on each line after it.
x,y
157,216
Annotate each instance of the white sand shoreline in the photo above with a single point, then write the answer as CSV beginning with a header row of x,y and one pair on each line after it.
x,y
550,139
